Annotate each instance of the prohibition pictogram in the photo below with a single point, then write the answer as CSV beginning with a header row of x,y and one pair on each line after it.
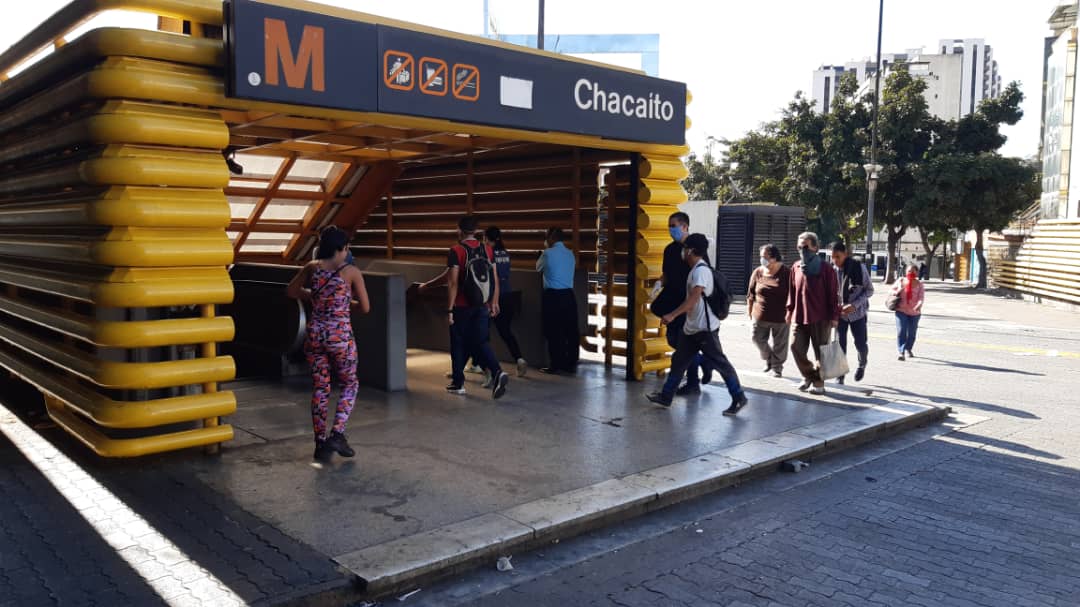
x,y
434,76
398,70
466,82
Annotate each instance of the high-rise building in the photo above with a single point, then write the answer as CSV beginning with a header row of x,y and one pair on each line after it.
x,y
1060,191
958,77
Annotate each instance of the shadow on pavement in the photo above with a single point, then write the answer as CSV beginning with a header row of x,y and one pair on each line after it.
x,y
973,367
941,400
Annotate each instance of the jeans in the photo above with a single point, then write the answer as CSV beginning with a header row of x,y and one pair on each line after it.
x,y
707,343
774,355
858,333
816,335
507,310
674,330
561,329
469,335
906,328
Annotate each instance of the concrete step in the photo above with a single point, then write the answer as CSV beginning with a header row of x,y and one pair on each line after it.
x,y
420,559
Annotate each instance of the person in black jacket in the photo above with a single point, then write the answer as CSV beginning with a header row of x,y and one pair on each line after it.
x,y
673,278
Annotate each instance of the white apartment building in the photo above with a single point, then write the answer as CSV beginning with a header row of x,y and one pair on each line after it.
x,y
958,77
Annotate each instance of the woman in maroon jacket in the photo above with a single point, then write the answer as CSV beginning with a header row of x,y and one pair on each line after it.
x,y
813,308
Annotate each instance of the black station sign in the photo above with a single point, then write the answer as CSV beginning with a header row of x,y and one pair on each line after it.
x,y
292,56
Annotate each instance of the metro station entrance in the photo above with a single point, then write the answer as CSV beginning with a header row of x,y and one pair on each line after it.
x,y
160,160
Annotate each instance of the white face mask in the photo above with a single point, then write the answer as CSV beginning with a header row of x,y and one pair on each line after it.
x,y
765,261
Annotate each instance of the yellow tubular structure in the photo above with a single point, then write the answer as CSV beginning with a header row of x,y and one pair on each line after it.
x,y
659,195
113,250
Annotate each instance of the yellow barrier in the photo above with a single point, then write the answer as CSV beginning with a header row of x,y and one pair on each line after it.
x,y
123,206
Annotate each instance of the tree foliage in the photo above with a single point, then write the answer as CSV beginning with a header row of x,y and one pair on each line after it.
x,y
933,172
708,179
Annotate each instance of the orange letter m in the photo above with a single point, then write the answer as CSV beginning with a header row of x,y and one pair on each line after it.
x,y
310,58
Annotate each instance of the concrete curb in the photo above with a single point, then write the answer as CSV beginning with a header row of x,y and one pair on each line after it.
x,y
409,562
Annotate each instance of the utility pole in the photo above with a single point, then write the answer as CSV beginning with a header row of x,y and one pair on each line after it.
x,y
873,168
540,28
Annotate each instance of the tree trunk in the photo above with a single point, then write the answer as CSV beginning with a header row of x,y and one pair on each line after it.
x,y
890,272
981,256
930,251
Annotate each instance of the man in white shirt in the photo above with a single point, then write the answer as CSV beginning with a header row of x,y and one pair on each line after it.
x,y
700,330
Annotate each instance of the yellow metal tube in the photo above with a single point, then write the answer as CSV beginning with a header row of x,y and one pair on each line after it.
x,y
119,334
122,375
134,447
128,287
123,206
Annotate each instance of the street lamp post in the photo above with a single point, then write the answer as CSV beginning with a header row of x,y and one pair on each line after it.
x,y
872,174
873,167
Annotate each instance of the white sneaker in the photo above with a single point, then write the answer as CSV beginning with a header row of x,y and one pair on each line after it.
x,y
488,381
522,367
475,370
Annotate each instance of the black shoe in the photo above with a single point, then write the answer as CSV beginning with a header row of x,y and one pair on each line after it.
x,y
901,357
338,443
706,375
910,354
550,371
455,389
860,373
767,368
323,451
688,390
498,389
660,399
803,387
777,373
840,380
736,405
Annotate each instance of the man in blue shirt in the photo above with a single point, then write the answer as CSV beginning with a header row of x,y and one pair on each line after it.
x,y
560,315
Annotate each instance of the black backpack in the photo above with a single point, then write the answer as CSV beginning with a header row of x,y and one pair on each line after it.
x,y
478,276
719,301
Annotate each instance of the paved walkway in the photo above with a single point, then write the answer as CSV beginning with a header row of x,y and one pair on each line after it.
x,y
261,523
984,517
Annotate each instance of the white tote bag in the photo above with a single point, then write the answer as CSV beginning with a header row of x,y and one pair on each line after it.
x,y
833,360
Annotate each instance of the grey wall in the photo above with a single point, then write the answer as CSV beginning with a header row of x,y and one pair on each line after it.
x,y
427,328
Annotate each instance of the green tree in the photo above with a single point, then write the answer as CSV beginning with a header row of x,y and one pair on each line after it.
x,y
980,193
708,179
964,184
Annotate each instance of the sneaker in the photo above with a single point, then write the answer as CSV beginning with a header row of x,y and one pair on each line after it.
x,y
474,369
901,357
323,451
767,369
737,404
498,388
840,380
338,443
803,387
860,373
660,399
910,354
522,367
489,381
777,373
817,390
688,390
455,389
706,375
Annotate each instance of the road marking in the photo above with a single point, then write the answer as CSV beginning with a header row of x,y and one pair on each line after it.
x,y
1021,350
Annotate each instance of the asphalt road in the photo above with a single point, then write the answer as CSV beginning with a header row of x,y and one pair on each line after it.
x,y
983,512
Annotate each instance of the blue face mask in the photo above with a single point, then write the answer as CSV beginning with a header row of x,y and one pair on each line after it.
x,y
349,258
676,233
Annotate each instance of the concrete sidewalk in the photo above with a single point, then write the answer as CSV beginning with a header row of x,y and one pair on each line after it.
x,y
441,481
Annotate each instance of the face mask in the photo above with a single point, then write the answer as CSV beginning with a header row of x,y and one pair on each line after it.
x,y
911,276
807,255
349,258
684,252
676,233
765,261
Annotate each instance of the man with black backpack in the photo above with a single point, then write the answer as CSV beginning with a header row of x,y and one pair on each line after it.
x,y
708,300
473,300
